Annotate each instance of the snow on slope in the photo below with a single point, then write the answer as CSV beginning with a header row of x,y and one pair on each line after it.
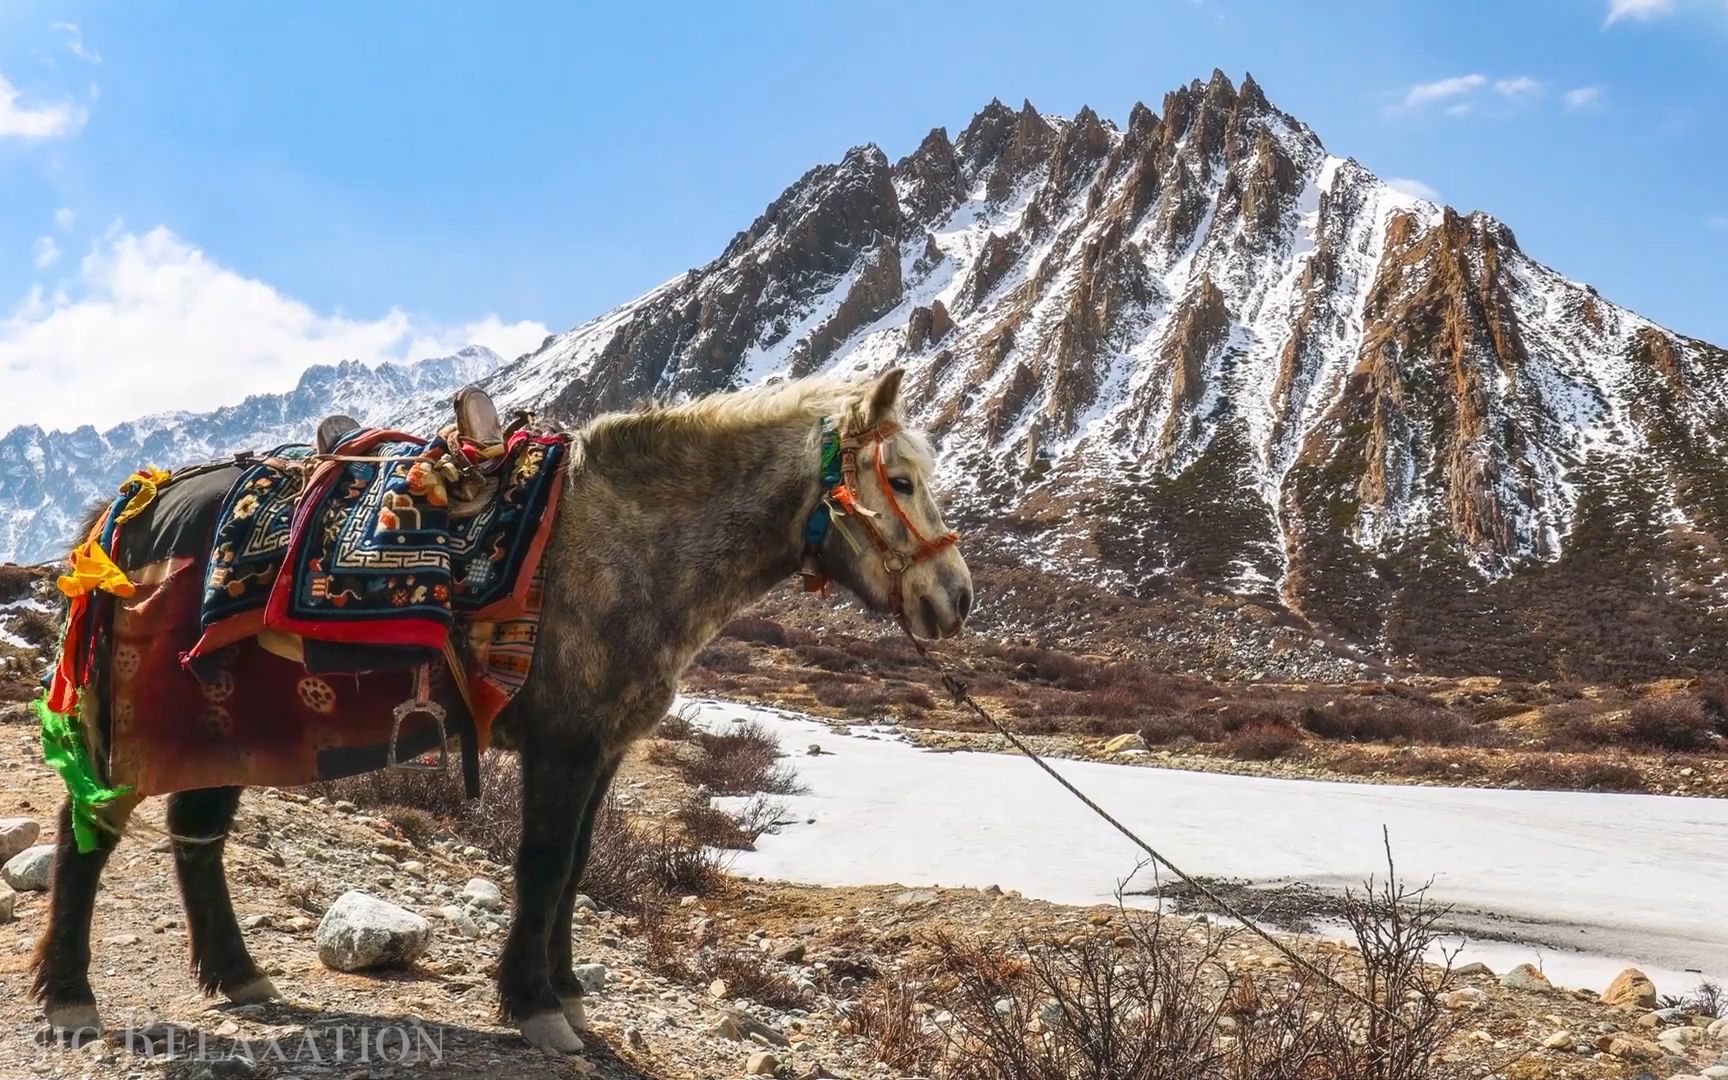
x,y
1122,297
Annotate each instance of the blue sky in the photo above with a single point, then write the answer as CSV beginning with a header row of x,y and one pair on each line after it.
x,y
198,201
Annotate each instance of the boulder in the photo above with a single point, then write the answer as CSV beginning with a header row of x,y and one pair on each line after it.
x,y
592,977
16,834
361,931
761,1063
1631,989
1123,743
30,870
482,894
1626,1048
1526,977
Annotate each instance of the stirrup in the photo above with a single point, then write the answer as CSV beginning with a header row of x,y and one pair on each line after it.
x,y
421,703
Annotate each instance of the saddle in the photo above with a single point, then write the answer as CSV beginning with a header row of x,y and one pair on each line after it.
x,y
477,428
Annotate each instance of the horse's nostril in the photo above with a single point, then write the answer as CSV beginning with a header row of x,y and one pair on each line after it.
x,y
928,610
963,601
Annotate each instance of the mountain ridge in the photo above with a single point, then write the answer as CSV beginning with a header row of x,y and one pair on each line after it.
x,y
49,477
1202,351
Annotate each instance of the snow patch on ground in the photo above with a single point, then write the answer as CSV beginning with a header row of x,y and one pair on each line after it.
x,y
1592,882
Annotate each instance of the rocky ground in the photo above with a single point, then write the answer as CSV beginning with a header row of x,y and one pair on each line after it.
x,y
293,857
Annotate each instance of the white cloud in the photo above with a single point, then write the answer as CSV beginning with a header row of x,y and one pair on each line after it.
x,y
1460,109
39,122
1642,10
1443,89
46,252
64,217
75,42
1518,88
1717,221
1584,97
1413,187
157,324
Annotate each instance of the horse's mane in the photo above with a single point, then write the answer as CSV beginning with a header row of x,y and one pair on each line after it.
x,y
653,427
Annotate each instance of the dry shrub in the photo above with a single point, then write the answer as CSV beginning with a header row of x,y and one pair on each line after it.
x,y
1708,999
727,657
627,865
1146,1004
1262,742
755,628
685,955
1388,720
677,726
828,658
37,628
856,699
1713,695
742,760
1549,773
18,581
710,826
1160,730
1676,722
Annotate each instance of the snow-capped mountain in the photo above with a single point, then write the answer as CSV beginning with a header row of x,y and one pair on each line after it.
x,y
48,479
1199,349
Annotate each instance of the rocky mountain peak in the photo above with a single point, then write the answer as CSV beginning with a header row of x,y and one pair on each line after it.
x,y
1201,351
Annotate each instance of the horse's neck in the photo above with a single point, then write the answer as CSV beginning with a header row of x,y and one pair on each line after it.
x,y
733,505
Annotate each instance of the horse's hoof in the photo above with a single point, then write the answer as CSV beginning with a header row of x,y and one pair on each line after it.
x,y
79,1019
575,1012
247,993
552,1032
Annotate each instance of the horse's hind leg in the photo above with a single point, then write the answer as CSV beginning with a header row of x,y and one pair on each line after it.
x,y
199,822
564,981
558,774
62,980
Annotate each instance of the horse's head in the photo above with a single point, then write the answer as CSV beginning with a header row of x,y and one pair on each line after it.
x,y
888,543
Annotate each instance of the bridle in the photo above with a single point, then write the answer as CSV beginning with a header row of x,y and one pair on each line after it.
x,y
839,503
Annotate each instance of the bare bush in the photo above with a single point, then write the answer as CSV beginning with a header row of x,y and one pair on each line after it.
x,y
690,957
710,826
1263,742
37,628
728,657
1709,999
1146,1002
755,628
1675,722
742,760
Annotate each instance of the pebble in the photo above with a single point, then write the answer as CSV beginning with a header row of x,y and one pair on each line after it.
x,y
361,931
761,1063
1560,1040
593,977
458,918
31,869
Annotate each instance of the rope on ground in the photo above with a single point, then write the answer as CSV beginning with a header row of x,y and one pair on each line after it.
x,y
961,695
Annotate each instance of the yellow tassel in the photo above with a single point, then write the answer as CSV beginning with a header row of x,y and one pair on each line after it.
x,y
143,483
92,569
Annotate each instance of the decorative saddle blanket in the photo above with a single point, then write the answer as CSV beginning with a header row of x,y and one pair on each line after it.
x,y
255,622
360,565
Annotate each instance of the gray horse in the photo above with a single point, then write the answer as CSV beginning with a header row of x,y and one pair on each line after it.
x,y
673,521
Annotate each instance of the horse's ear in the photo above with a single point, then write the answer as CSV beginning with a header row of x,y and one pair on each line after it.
x,y
884,395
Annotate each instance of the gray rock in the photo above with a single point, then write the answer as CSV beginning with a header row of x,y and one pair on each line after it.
x,y
482,894
361,931
1474,968
1526,977
31,869
1715,1072
8,903
591,976
458,918
16,834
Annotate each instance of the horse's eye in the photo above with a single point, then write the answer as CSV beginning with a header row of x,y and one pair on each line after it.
x,y
901,484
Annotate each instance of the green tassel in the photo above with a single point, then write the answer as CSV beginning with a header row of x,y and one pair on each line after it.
x,y
64,748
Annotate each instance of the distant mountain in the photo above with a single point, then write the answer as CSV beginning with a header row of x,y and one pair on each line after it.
x,y
1200,354
48,479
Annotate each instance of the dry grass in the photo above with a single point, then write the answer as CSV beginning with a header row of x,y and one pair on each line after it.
x,y
38,628
1145,1003
18,581
1263,742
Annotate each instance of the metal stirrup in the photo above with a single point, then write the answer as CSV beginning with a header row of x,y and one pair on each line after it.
x,y
421,703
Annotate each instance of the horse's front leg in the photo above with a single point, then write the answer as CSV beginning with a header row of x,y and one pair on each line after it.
x,y
559,772
562,951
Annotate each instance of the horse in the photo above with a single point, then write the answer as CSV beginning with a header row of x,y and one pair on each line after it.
x,y
673,519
